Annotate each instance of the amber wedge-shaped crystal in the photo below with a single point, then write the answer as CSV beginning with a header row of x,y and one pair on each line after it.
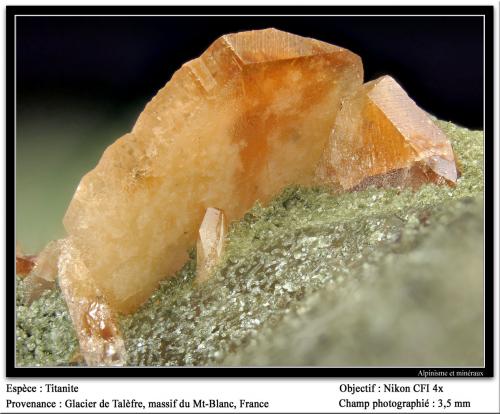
x,y
24,263
94,321
210,246
381,137
46,261
247,118
43,275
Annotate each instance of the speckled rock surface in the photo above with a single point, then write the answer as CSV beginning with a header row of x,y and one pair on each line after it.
x,y
361,278
44,333
420,305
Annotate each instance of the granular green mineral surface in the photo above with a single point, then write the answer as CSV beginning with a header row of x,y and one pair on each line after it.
x,y
360,278
44,332
420,305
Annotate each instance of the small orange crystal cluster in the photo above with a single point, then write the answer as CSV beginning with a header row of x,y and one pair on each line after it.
x,y
256,112
381,137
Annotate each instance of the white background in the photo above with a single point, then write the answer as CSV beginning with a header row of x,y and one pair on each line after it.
x,y
284,395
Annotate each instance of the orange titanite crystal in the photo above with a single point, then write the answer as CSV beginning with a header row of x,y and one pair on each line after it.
x,y
210,244
46,261
236,125
381,137
24,265
94,321
42,272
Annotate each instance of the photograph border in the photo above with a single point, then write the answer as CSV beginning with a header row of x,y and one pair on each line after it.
x,y
268,372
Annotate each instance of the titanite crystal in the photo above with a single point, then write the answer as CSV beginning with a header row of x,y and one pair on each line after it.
x,y
210,244
382,137
94,321
46,261
236,125
24,263
43,272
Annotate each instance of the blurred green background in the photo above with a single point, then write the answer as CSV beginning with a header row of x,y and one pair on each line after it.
x,y
58,141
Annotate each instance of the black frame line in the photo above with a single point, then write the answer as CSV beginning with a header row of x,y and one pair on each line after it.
x,y
250,372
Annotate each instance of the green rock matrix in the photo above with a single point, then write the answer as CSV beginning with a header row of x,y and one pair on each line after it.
x,y
418,305
44,331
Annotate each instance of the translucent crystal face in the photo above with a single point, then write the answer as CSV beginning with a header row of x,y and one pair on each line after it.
x,y
46,261
24,265
210,245
382,137
94,321
238,124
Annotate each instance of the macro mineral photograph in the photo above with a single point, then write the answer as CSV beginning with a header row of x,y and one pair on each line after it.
x,y
249,191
